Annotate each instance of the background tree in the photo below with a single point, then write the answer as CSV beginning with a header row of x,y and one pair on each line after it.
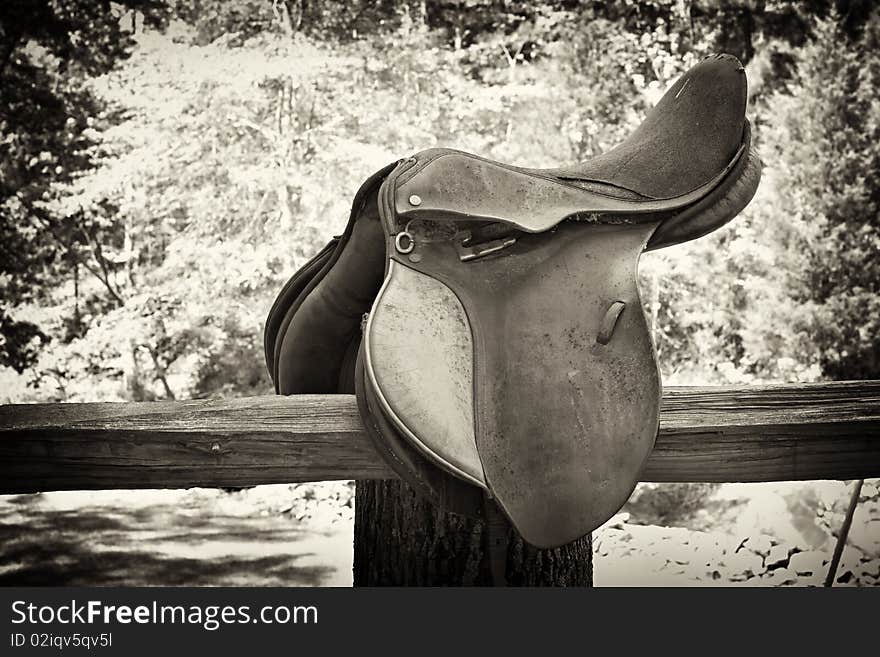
x,y
828,139
50,124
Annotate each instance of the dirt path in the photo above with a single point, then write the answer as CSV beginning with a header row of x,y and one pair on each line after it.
x,y
777,534
198,537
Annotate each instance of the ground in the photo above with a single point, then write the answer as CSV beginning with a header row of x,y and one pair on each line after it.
x,y
196,537
776,534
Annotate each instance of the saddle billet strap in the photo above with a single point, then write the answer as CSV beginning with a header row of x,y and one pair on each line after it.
x,y
484,240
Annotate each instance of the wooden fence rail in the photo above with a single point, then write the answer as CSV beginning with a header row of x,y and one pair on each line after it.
x,y
711,434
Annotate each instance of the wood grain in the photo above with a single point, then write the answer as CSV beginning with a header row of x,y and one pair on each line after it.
x,y
711,434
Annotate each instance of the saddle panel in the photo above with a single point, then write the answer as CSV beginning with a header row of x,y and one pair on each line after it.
x,y
323,320
285,300
710,213
329,317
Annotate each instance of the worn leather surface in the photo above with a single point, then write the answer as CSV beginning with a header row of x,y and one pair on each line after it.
x,y
284,305
563,423
687,145
686,138
727,200
460,186
421,364
411,465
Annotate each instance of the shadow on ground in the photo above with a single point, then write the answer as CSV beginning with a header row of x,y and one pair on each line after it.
x,y
174,542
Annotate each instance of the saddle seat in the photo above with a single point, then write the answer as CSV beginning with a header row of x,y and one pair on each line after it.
x,y
688,144
505,351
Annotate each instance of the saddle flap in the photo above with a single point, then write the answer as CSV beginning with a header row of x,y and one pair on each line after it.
x,y
565,393
568,391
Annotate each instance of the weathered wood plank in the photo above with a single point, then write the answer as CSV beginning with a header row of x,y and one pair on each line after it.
x,y
766,433
785,432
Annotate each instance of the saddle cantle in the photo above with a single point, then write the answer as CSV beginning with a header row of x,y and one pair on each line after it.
x,y
505,351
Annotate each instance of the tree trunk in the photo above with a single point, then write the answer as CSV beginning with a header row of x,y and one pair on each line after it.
x,y
402,540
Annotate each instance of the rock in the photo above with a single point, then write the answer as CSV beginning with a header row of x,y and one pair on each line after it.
x,y
742,565
304,491
865,532
777,557
851,568
780,577
760,544
618,521
868,570
808,563
845,579
850,561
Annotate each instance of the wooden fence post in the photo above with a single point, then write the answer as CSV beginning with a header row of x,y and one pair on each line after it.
x,y
401,540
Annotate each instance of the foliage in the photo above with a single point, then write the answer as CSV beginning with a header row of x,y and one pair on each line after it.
x,y
831,150
667,504
165,167
50,134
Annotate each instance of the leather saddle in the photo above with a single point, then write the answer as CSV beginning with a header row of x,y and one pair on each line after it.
x,y
488,317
